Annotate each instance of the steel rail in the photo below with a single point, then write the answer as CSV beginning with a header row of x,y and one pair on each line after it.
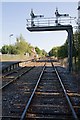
x,y
23,116
15,69
12,72
68,100
16,78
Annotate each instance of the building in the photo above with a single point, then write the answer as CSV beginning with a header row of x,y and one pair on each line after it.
x,y
34,54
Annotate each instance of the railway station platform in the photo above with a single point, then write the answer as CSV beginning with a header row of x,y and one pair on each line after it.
x,y
8,65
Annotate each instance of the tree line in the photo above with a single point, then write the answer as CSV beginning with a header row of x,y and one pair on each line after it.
x,y
21,47
62,51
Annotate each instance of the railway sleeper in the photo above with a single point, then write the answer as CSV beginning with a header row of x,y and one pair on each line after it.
x,y
54,116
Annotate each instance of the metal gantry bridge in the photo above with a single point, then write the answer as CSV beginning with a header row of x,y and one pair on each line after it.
x,y
41,21
60,22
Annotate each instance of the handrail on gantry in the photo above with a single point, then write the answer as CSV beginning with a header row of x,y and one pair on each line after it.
x,y
49,21
23,116
68,100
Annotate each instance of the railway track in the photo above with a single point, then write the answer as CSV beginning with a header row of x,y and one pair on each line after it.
x,y
15,96
49,99
12,76
72,87
16,70
44,100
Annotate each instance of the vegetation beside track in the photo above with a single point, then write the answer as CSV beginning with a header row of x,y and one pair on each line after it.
x,y
8,57
61,52
22,47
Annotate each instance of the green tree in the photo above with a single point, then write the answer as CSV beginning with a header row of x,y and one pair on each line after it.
x,y
12,49
8,49
5,49
22,46
54,51
79,50
38,51
76,49
60,52
44,53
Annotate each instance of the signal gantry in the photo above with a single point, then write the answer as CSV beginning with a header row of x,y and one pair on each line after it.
x,y
40,20
53,24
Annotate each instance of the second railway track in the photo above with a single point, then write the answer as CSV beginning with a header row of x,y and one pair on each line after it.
x,y
12,76
49,99
15,96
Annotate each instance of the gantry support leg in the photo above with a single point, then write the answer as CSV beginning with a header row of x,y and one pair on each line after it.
x,y
70,39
